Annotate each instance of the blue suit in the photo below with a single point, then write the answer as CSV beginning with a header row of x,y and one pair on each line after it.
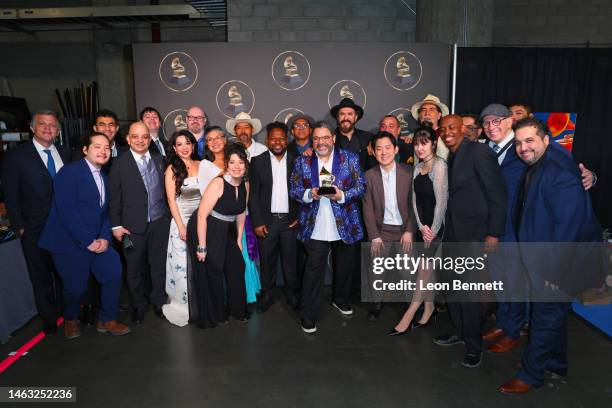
x,y
77,219
554,209
506,264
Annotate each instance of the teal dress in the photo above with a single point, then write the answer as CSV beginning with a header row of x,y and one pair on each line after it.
x,y
250,254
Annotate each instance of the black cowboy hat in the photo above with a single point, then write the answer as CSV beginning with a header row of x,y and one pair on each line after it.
x,y
347,103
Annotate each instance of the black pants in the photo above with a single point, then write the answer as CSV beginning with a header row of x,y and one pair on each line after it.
x,y
45,281
343,258
280,242
148,256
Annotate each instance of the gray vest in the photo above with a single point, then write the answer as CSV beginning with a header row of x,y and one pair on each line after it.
x,y
156,203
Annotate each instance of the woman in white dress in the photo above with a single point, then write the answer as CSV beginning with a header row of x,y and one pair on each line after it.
x,y
183,193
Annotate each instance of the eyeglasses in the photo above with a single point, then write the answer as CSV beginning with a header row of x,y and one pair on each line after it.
x,y
106,125
301,126
198,118
215,139
494,122
472,128
321,138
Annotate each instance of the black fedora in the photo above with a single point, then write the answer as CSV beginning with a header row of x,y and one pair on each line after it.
x,y
347,103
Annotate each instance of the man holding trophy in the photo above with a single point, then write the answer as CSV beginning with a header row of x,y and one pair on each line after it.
x,y
330,184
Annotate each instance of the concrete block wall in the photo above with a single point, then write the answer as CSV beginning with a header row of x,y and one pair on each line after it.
x,y
552,23
321,20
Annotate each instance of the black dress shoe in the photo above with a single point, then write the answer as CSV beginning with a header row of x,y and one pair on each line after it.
x,y
373,315
447,340
138,316
50,328
159,312
472,360
262,307
394,332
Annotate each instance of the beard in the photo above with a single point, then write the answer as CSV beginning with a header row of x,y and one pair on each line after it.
x,y
346,126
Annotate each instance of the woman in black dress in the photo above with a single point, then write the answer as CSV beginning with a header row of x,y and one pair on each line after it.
x,y
430,194
216,243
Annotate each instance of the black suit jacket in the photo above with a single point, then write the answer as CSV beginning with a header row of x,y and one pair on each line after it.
x,y
153,147
28,187
128,194
477,194
261,189
358,146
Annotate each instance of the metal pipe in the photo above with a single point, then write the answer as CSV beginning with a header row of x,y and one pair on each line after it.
x,y
454,80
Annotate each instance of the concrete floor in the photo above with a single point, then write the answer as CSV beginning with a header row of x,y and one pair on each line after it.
x,y
269,362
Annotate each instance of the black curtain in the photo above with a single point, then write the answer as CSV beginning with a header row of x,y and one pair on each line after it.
x,y
550,80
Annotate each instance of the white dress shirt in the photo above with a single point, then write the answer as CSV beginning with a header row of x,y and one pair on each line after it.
x,y
392,214
95,172
138,157
325,228
501,145
280,190
54,153
255,149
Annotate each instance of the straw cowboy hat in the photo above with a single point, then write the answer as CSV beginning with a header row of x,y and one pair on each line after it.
x,y
428,99
242,117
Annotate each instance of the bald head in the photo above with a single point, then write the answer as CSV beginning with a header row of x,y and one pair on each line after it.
x,y
451,131
139,138
196,120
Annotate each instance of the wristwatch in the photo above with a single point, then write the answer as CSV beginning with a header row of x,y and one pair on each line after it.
x,y
201,249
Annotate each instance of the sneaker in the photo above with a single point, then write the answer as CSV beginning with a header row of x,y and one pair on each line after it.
x,y
343,308
447,340
472,360
309,326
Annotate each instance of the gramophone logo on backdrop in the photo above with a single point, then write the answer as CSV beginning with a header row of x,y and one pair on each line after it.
x,y
178,71
174,121
403,70
290,70
404,117
347,88
234,97
286,114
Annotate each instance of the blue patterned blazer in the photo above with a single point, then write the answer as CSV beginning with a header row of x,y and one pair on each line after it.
x,y
349,179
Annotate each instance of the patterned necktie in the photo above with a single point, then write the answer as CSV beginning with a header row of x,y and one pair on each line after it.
x,y
50,163
496,148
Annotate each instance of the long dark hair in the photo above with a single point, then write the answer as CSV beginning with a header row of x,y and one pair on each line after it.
x,y
179,169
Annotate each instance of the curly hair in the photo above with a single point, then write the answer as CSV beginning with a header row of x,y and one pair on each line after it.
x,y
179,169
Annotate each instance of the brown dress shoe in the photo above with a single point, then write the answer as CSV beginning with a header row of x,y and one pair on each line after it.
x,y
492,334
71,329
503,345
515,386
113,327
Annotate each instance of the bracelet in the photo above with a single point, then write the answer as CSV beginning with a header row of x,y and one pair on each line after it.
x,y
201,249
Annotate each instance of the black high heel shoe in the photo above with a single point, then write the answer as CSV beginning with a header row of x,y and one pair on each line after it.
x,y
394,332
433,316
